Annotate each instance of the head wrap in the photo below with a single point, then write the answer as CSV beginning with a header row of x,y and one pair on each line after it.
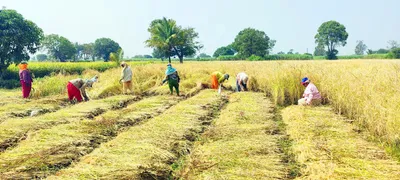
x,y
170,70
305,80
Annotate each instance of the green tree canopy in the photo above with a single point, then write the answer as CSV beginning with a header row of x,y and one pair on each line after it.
x,y
18,38
59,47
291,51
88,51
360,48
103,47
252,42
331,34
204,55
319,50
41,57
172,40
159,54
224,51
147,56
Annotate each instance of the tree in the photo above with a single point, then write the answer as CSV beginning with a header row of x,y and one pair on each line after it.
x,y
204,55
320,50
393,45
59,47
360,48
172,40
147,56
290,51
138,56
160,54
331,34
79,51
116,57
18,38
281,52
41,57
103,47
88,51
224,51
252,42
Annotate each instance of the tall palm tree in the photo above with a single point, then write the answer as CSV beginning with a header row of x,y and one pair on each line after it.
x,y
164,33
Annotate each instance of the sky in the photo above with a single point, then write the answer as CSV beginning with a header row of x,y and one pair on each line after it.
x,y
292,23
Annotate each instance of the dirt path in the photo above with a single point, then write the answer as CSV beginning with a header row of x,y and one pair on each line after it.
x,y
14,130
328,147
241,144
147,151
46,151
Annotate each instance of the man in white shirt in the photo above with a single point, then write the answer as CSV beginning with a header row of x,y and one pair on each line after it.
x,y
241,81
126,78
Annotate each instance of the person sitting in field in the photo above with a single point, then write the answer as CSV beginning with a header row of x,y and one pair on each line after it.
x,y
77,88
171,75
217,78
241,81
25,78
311,94
126,77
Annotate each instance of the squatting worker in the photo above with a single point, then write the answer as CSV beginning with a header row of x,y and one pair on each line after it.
x,y
25,78
311,94
241,81
126,77
171,75
77,88
218,78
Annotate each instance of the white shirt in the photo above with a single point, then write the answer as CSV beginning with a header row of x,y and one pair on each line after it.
x,y
242,77
126,75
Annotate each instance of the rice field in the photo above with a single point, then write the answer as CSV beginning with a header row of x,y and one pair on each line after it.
x,y
260,134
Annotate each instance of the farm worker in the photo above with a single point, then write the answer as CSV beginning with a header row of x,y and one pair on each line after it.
x,y
311,94
126,77
25,78
171,75
218,78
241,81
77,88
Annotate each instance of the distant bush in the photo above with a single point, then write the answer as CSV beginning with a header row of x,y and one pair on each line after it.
x,y
254,58
394,53
289,57
228,58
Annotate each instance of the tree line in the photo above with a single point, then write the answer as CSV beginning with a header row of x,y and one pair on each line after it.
x,y
21,37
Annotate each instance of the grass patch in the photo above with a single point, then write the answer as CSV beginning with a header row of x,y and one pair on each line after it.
x,y
147,151
331,148
241,144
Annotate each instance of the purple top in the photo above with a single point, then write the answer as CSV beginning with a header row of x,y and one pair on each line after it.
x,y
25,76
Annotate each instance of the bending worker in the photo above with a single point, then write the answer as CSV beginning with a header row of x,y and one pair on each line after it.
x,y
25,79
218,78
241,81
311,94
126,78
77,88
171,75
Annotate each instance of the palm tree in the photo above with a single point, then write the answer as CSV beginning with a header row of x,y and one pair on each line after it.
x,y
164,34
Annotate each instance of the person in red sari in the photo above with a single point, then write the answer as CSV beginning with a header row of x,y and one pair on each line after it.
x,y
25,78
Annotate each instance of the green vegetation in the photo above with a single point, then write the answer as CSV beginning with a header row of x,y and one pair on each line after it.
x,y
168,39
331,34
59,47
16,40
252,42
103,47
